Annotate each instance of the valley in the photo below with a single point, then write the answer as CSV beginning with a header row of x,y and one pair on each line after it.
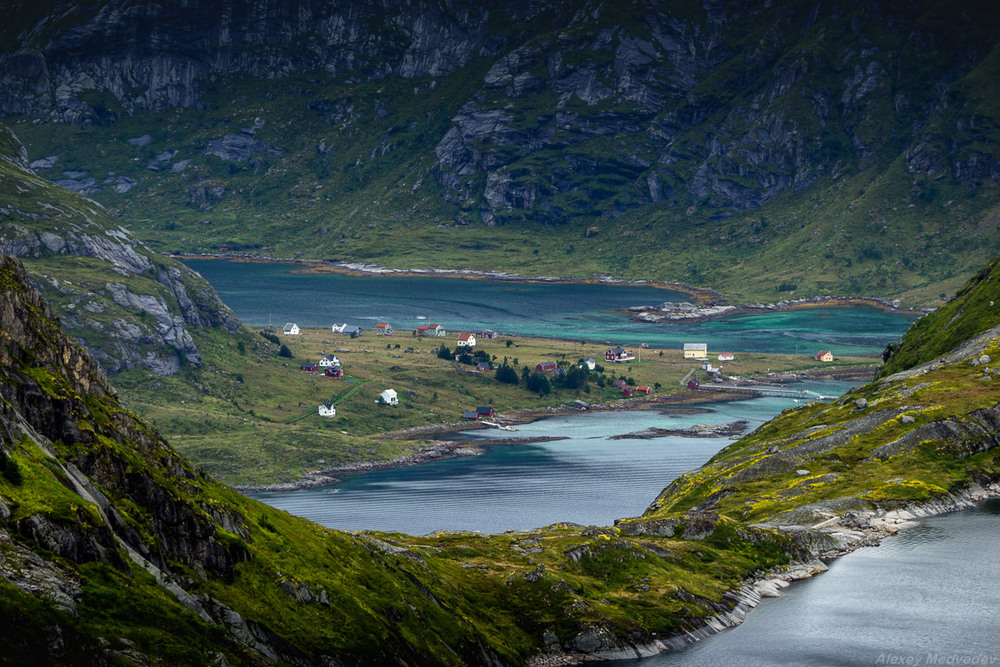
x,y
794,194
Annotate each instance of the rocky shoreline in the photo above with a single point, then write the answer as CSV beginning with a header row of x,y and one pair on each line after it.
x,y
827,540
685,311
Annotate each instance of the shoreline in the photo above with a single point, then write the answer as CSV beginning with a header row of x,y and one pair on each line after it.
x,y
684,312
865,529
436,449
370,269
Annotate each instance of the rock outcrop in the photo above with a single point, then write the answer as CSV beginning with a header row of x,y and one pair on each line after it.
x,y
131,307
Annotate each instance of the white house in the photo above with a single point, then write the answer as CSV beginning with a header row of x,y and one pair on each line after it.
x,y
696,350
291,329
466,340
388,397
588,363
329,361
339,328
327,410
726,356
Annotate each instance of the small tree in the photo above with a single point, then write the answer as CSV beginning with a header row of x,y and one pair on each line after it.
x,y
285,352
507,375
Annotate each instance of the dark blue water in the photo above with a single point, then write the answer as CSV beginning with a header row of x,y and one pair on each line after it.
x,y
928,596
262,294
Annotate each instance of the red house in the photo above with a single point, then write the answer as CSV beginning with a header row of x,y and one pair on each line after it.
x,y
618,355
335,372
546,366
692,384
628,392
312,368
484,411
644,390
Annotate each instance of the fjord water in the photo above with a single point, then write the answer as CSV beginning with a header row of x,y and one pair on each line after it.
x,y
927,596
587,478
275,293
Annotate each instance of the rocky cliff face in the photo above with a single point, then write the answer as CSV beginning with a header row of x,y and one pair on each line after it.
x,y
718,104
131,307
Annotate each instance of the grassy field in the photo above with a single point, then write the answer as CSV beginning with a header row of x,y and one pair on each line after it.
x,y
252,417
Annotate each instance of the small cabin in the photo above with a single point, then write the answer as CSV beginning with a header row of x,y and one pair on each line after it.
x,y
692,384
466,340
484,411
335,372
588,364
383,329
644,390
487,334
824,355
726,356
388,397
329,361
312,368
291,329
628,392
546,366
327,410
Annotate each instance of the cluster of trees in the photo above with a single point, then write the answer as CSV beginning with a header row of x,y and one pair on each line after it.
x,y
567,377
462,356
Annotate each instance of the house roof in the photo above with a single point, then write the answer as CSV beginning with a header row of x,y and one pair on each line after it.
x,y
823,352
381,325
486,409
289,325
695,346
617,350
472,414
465,336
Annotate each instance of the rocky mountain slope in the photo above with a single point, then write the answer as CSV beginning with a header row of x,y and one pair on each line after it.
x,y
117,551
787,147
131,307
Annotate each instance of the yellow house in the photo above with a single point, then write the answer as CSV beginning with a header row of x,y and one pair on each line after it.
x,y
696,350
824,355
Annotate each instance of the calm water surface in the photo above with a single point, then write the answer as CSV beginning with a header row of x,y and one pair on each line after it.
x,y
262,294
927,596
587,478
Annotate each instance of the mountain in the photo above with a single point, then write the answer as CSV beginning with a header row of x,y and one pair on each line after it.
x,y
116,550
129,306
761,149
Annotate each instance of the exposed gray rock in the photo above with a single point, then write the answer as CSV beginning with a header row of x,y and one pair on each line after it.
x,y
240,147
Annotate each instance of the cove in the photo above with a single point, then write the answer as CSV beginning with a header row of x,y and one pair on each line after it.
x,y
274,293
586,478
927,596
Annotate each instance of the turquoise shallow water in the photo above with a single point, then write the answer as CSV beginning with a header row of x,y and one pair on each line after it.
x,y
262,294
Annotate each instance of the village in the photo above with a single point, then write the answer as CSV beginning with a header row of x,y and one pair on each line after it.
x,y
468,352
